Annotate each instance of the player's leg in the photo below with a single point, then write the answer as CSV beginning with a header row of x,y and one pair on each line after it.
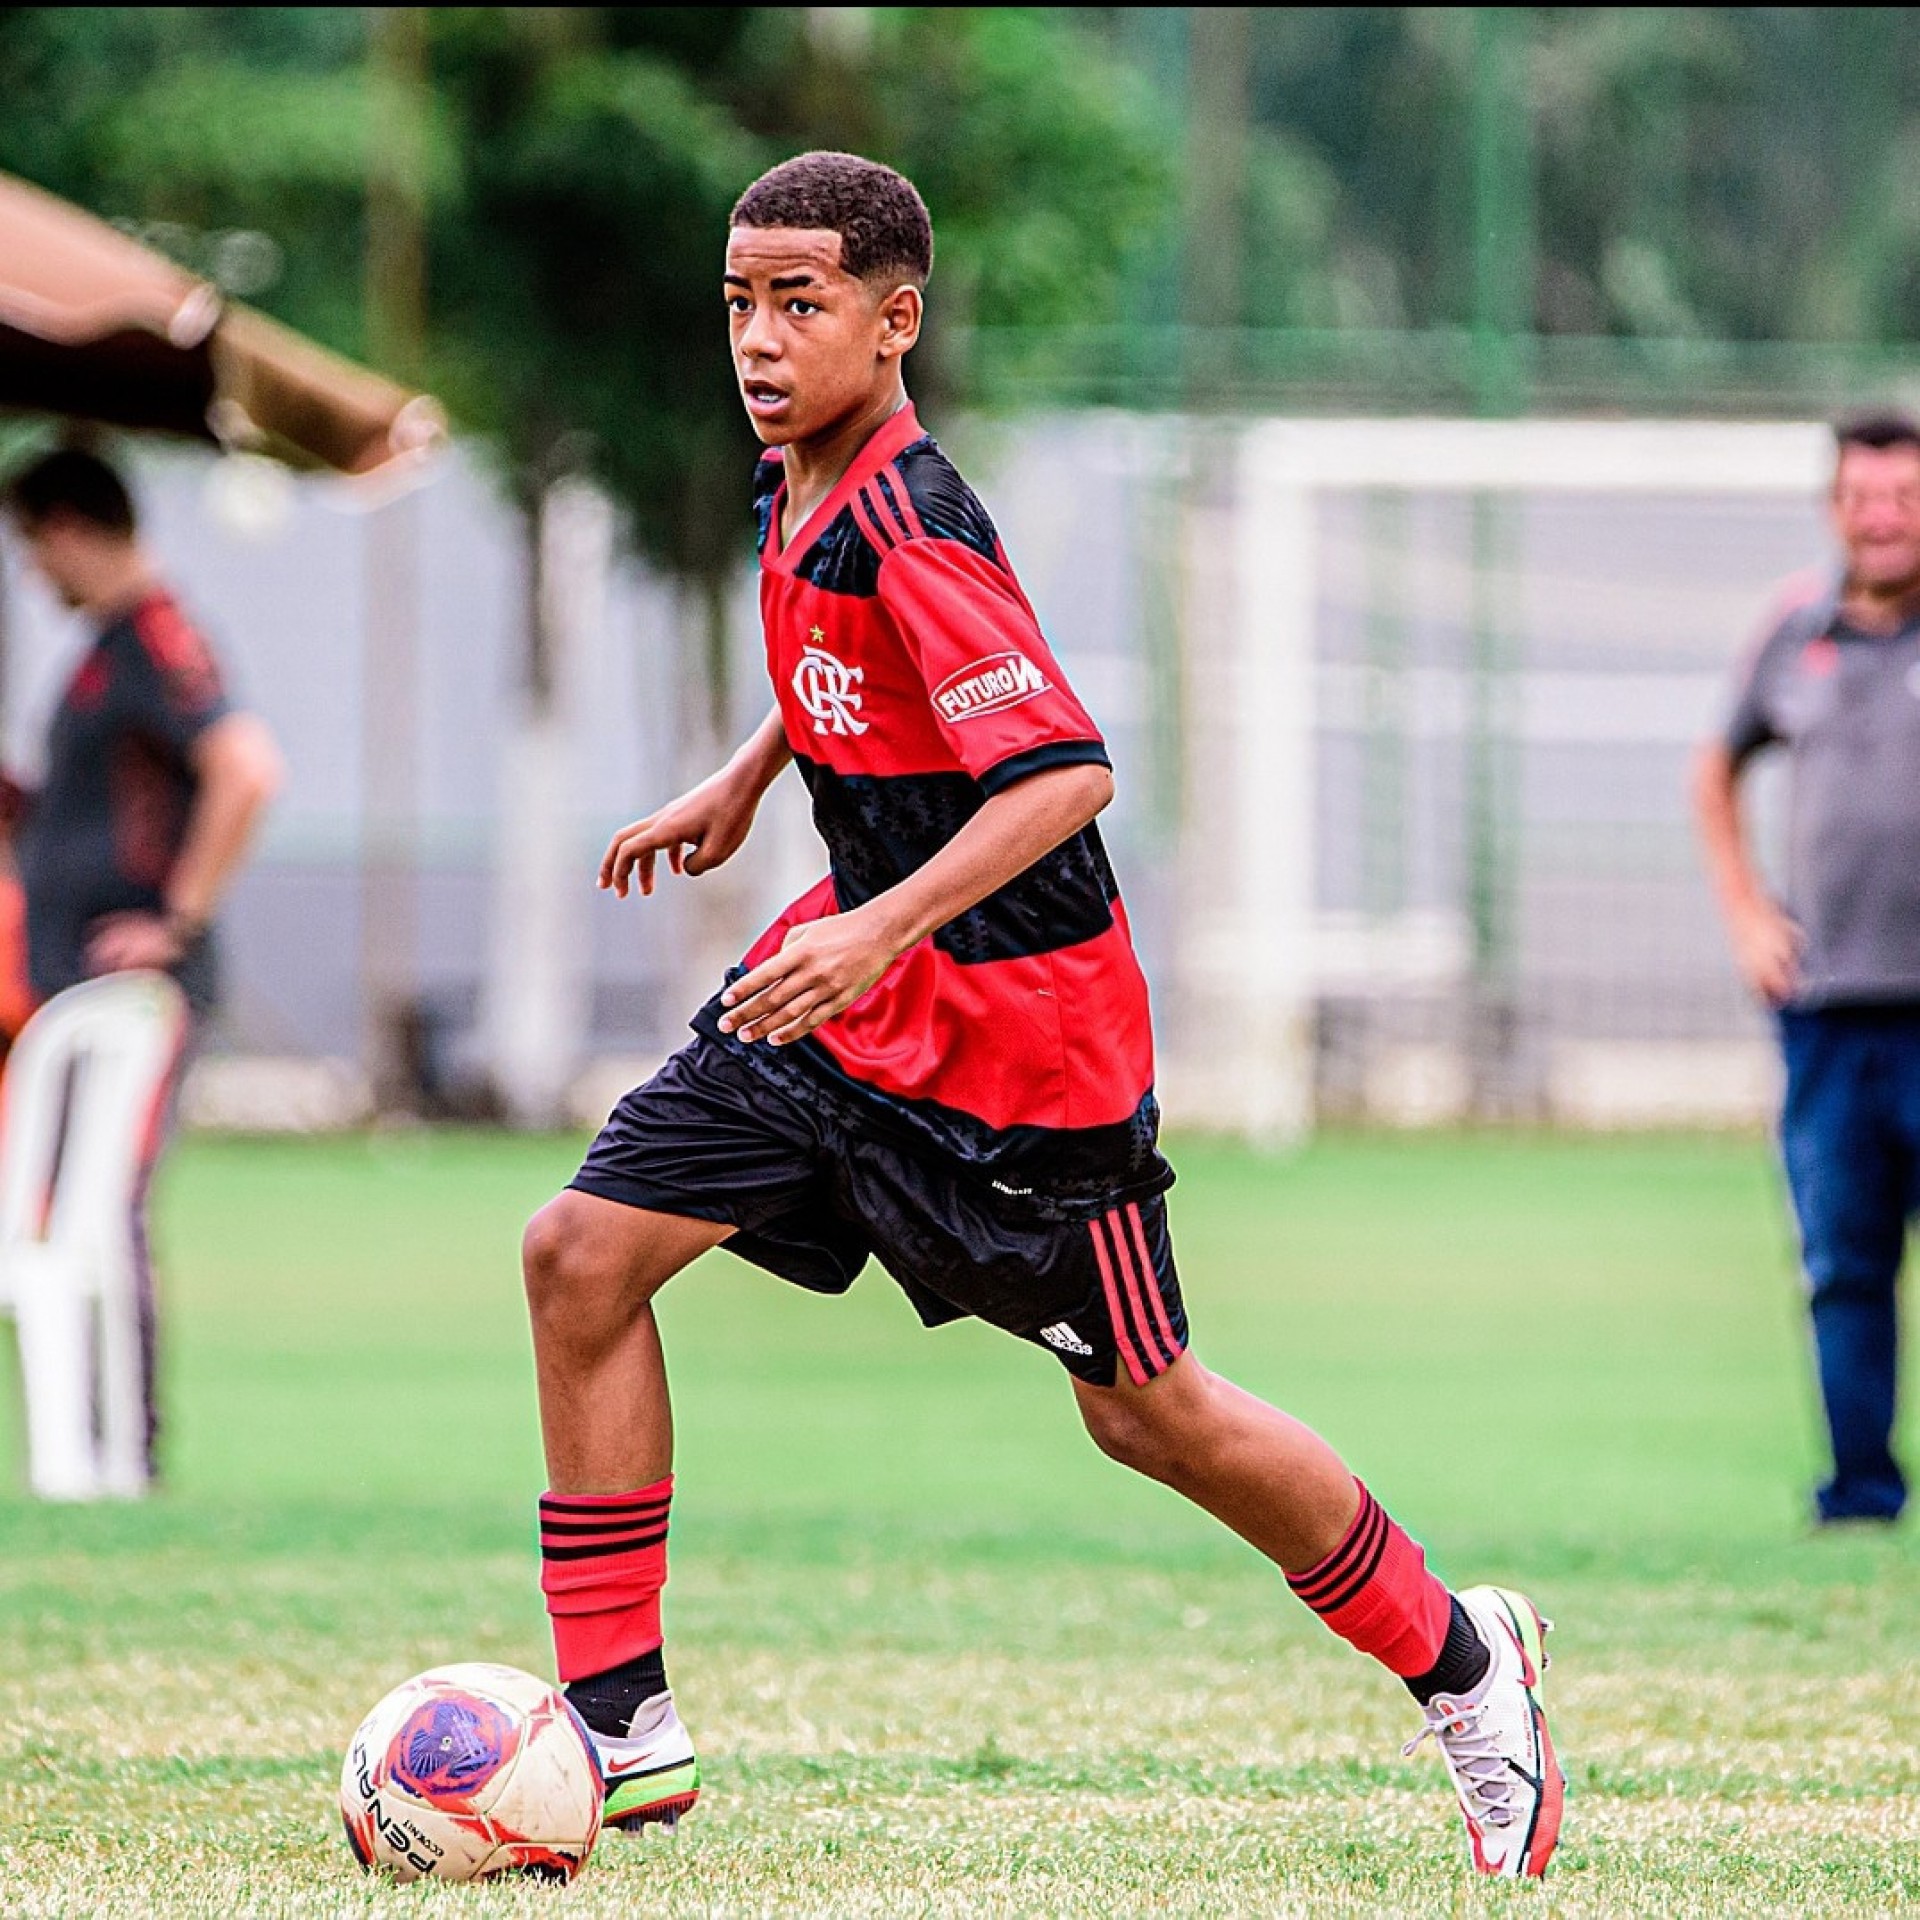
x,y
146,1297
1270,1478
1471,1659
1102,1296
705,1152
1285,1491
146,1307
1848,1173
592,1267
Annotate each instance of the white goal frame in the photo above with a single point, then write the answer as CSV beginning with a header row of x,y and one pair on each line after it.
x,y
1253,950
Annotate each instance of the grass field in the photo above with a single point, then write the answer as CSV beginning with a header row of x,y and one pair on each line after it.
x,y
942,1658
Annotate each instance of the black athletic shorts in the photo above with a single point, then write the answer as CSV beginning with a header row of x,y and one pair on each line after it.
x,y
813,1195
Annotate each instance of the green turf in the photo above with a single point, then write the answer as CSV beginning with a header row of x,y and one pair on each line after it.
x,y
942,1658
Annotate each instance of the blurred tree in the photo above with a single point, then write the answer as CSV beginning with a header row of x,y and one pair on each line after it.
x,y
576,276
1732,173
575,167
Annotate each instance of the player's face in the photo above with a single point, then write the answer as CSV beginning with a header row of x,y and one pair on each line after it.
x,y
1876,512
812,345
61,550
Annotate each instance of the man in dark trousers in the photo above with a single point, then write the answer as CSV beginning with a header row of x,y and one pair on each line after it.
x,y
154,784
1836,683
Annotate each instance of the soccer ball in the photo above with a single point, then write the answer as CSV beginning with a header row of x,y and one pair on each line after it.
x,y
472,1770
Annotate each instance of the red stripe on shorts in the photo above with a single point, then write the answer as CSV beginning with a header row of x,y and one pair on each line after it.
x,y
1149,1340
1152,1282
1135,1371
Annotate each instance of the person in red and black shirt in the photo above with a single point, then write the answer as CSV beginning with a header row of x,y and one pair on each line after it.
x,y
153,785
940,1056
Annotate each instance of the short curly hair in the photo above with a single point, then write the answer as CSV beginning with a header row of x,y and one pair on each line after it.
x,y
878,214
71,480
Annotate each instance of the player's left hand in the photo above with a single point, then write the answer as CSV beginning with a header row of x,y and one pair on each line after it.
x,y
822,969
124,942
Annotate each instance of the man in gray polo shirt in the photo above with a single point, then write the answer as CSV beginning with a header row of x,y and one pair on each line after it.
x,y
1836,683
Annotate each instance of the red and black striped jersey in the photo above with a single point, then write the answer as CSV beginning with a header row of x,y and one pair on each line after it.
x,y
104,831
914,683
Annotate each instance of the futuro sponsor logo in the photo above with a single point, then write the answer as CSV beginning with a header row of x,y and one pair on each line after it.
x,y
991,685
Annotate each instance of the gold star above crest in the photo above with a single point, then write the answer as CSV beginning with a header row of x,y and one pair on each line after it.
x,y
817,635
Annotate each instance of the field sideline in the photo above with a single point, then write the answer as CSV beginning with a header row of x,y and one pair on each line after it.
x,y
940,1657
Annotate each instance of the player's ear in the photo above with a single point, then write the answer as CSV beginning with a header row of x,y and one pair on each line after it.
x,y
900,313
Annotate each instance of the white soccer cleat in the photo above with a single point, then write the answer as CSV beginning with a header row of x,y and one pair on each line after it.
x,y
1494,1741
650,1771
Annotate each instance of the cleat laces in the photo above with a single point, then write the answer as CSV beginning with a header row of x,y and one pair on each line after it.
x,y
1474,1759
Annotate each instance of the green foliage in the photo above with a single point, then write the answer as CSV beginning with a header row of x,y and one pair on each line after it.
x,y
1041,163
579,270
208,120
1695,175
575,168
1739,173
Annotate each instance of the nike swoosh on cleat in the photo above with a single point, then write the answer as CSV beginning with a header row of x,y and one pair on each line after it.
x,y
642,1773
1528,1677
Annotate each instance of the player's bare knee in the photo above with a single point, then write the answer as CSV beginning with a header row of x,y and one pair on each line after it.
x,y
1126,1428
559,1273
584,1287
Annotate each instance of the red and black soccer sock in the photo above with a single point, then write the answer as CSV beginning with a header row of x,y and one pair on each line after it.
x,y
608,1701
603,1561
1375,1591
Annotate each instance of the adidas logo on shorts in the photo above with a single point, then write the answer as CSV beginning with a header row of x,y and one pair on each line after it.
x,y
1063,1339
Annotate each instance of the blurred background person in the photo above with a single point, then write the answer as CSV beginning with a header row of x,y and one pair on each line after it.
x,y
154,784
1836,682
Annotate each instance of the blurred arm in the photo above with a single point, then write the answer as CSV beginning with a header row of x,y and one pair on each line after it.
x,y
1766,943
240,771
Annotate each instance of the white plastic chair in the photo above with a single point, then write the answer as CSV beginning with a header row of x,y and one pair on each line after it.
x,y
79,1106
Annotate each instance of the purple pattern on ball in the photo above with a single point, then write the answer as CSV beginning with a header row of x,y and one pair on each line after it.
x,y
450,1748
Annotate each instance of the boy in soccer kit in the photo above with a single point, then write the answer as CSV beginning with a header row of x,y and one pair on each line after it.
x,y
939,1056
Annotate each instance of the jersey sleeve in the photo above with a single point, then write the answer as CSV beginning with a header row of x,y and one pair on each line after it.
x,y
1750,726
171,686
997,693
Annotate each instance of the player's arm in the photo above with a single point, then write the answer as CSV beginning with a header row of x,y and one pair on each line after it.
x,y
827,964
238,771
1766,943
707,824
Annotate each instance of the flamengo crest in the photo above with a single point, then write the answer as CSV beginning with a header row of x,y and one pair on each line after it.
x,y
829,689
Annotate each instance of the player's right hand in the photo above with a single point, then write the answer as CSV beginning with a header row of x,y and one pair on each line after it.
x,y
696,832
1766,948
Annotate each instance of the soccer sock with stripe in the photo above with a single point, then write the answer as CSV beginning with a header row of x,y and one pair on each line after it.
x,y
603,1561
1375,1592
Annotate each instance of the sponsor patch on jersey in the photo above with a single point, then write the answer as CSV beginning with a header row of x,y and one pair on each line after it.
x,y
991,685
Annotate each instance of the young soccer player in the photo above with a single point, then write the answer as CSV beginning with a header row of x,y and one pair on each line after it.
x,y
940,1056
